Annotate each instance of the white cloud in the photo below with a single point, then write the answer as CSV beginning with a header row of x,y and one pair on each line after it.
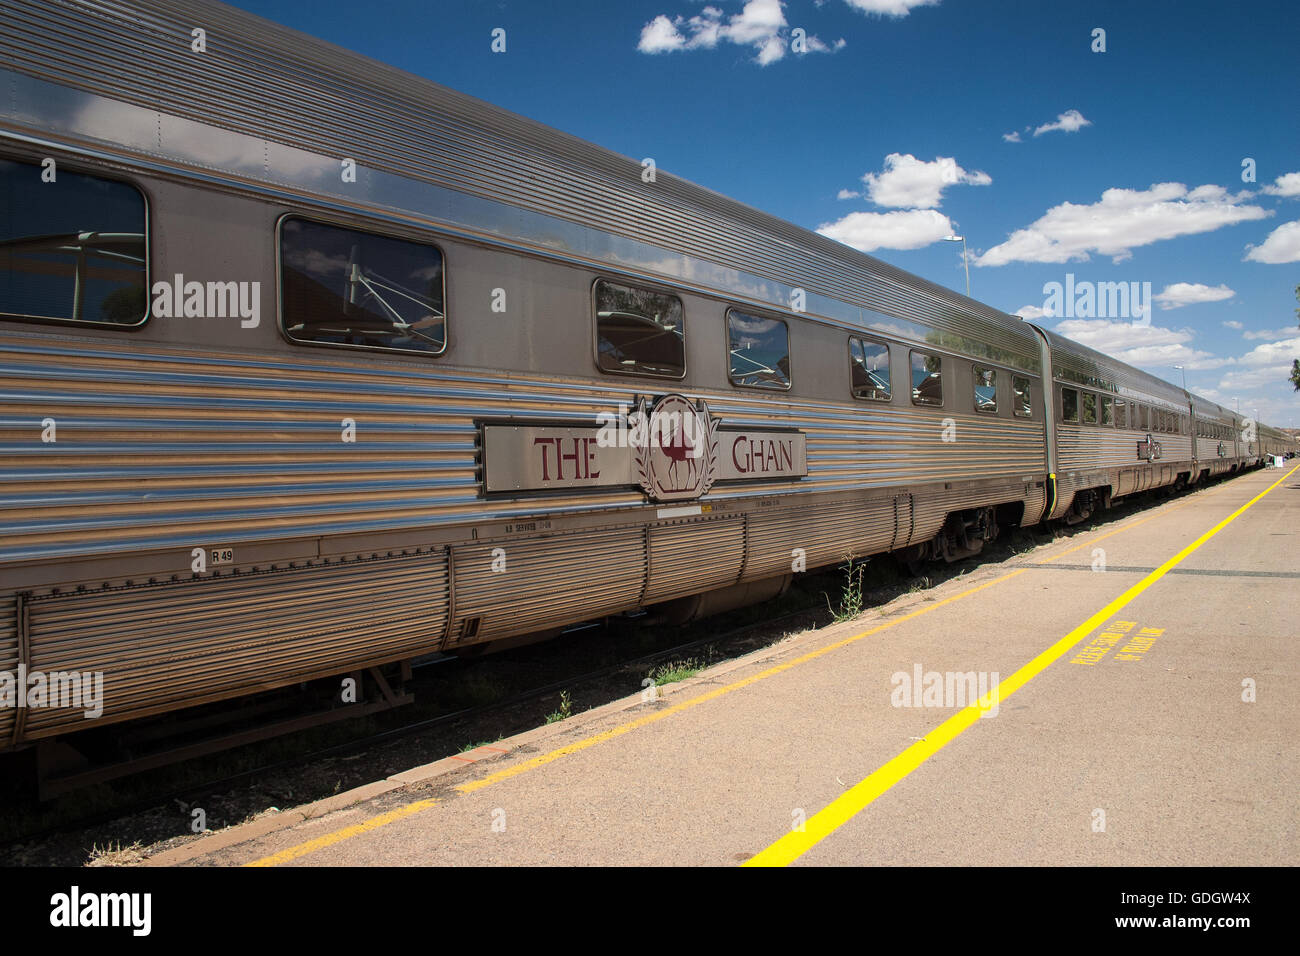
x,y
1148,346
1273,334
756,23
847,194
890,8
1122,220
1031,312
1233,325
760,24
908,229
1012,137
1273,353
911,182
1282,245
660,36
1189,293
1288,185
1244,380
1071,121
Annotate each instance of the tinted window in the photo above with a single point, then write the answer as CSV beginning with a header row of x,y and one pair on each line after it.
x,y
1121,413
1069,405
869,364
986,389
759,350
1089,408
1023,407
1107,411
71,249
639,331
345,287
927,379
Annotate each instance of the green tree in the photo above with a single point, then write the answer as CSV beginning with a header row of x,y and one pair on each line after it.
x,y
1295,366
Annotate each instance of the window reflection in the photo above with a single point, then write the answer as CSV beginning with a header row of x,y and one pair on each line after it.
x,y
759,350
869,364
639,331
71,249
346,287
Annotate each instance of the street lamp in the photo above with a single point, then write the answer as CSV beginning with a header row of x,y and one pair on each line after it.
x,y
964,260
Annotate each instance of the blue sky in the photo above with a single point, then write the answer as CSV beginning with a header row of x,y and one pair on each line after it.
x,y
1127,168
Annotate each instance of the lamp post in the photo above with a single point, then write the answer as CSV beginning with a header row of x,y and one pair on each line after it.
x,y
964,261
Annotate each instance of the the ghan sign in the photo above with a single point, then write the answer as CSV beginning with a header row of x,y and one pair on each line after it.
x,y
673,451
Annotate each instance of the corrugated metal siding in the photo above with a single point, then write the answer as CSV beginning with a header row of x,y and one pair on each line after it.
x,y
548,582
163,449
285,87
931,509
1096,448
175,644
1095,456
830,533
694,556
8,659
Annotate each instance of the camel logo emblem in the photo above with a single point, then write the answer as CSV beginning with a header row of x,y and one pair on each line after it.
x,y
1150,449
677,456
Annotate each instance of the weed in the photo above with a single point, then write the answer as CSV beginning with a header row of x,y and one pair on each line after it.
x,y
674,671
852,602
565,711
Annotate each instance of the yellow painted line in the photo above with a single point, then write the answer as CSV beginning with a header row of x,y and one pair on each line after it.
x,y
338,836
822,824
329,839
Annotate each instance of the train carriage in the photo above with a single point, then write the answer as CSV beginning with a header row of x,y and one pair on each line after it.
x,y
1117,430
308,365
1217,439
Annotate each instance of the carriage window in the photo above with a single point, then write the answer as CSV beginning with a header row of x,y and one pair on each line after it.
x,y
1121,413
345,287
639,331
1023,406
869,365
986,389
1069,405
927,379
1107,411
1089,408
72,249
759,350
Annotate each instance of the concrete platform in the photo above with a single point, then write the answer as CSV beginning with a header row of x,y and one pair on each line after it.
x,y
1142,710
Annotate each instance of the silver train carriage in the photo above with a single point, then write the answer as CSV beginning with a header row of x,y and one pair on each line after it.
x,y
309,365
